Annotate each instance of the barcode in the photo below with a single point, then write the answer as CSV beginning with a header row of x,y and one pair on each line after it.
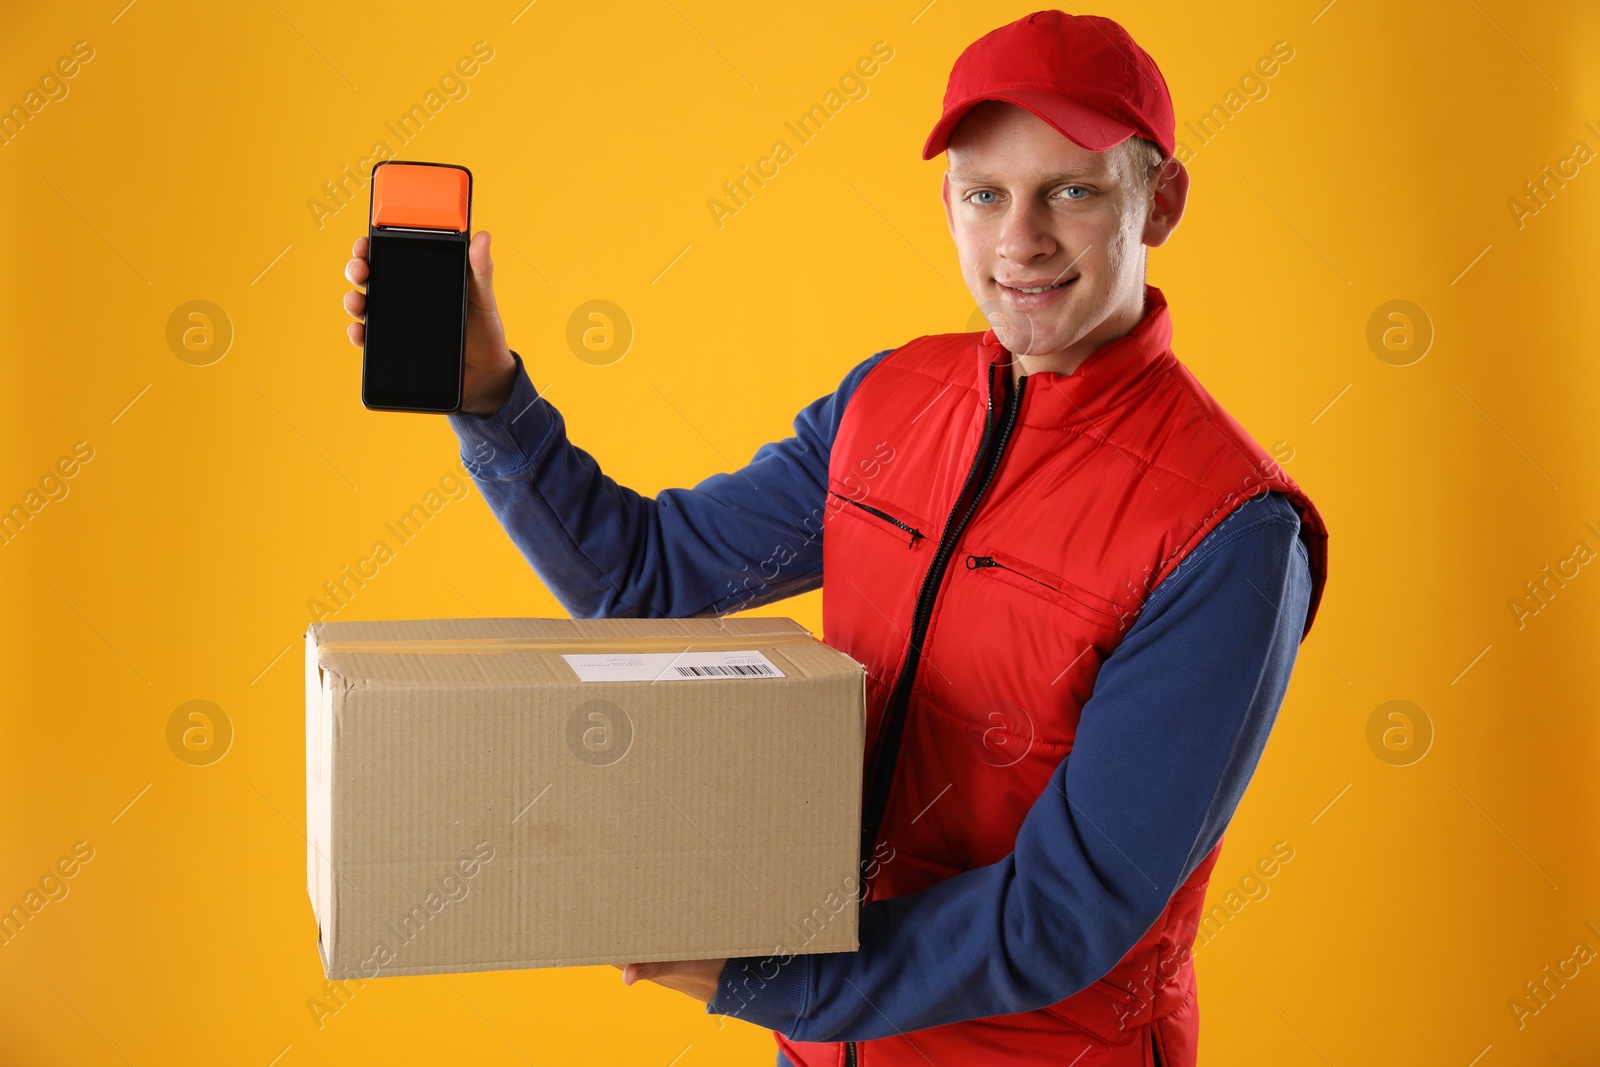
x,y
732,668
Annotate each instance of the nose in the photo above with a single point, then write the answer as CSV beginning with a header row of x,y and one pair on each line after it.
x,y
1025,233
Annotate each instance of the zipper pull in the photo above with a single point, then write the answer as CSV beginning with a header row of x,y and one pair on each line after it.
x,y
974,562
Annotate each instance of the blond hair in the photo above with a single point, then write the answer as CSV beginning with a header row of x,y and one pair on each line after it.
x,y
1142,159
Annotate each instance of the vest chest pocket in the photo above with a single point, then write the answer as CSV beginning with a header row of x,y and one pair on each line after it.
x,y
1001,566
905,531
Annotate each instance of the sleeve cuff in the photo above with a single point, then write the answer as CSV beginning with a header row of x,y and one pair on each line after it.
x,y
764,991
504,444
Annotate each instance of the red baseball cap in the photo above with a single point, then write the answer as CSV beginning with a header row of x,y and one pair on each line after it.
x,y
1082,74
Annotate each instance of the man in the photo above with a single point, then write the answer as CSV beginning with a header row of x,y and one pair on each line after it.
x,y
1076,583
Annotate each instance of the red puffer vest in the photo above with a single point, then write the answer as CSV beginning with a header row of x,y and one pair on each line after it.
x,y
1012,536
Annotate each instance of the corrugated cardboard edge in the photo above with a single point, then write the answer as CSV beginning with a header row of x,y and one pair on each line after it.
x,y
417,640
731,952
319,801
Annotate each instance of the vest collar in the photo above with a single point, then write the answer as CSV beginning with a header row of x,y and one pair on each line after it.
x,y
1113,374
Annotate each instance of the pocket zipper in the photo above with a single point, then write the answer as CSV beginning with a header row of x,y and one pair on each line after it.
x,y
974,562
886,517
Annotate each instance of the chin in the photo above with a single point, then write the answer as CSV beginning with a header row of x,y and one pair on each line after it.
x,y
1038,337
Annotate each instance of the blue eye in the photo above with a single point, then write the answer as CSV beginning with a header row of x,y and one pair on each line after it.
x,y
985,192
1080,189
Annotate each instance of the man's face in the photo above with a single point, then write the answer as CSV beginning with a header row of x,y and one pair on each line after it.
x,y
1028,209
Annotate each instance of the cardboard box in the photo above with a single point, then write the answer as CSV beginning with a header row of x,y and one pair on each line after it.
x,y
486,794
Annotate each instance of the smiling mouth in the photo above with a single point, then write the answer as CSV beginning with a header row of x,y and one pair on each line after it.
x,y
1039,288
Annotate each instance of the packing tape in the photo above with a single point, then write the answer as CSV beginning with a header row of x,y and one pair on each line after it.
x,y
471,646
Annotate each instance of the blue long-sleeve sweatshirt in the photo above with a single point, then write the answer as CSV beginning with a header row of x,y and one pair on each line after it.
x,y
1165,745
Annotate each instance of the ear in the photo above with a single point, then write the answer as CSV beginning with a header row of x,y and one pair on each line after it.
x,y
944,193
1170,196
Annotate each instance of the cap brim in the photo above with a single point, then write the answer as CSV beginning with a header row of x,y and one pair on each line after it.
x,y
1083,126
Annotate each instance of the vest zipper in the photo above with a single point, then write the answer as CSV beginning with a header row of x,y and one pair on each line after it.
x,y
887,749
884,515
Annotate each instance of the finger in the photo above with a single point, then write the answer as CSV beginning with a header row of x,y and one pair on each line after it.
x,y
357,334
355,303
356,271
359,248
480,289
642,972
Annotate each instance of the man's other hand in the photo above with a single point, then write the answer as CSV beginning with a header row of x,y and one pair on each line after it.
x,y
694,978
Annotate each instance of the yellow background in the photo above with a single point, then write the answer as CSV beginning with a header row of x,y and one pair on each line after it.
x,y
179,167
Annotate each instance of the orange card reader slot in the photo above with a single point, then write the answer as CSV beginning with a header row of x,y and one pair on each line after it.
x,y
420,197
